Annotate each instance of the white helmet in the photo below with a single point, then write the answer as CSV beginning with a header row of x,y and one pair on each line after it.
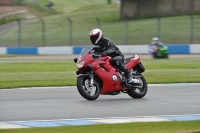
x,y
155,39
95,36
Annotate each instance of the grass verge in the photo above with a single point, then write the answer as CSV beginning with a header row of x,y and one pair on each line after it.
x,y
146,127
62,73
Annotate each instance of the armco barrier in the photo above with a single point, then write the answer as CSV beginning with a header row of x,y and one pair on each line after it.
x,y
126,49
77,50
178,49
136,49
22,50
195,49
55,50
143,49
3,51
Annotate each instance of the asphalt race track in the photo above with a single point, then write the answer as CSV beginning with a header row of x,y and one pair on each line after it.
x,y
66,103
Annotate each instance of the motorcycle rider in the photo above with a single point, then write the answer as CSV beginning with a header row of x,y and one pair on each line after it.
x,y
155,45
108,48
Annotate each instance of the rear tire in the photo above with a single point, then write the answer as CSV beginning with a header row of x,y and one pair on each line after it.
x,y
142,89
85,89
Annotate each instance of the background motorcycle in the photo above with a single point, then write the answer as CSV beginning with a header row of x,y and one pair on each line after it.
x,y
97,76
159,52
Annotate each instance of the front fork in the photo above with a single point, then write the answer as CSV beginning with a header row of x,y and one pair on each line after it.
x,y
91,80
90,75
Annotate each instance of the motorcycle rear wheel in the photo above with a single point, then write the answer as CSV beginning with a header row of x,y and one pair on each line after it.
x,y
85,90
138,92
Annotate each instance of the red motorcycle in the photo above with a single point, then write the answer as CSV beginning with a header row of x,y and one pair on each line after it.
x,y
96,76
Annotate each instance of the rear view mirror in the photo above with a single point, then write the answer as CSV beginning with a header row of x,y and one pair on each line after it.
x,y
75,60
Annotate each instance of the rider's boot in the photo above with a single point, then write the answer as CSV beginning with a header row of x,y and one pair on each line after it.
x,y
127,73
129,76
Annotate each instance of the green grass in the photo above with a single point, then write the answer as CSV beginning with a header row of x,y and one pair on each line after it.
x,y
172,70
146,127
7,20
140,31
62,73
4,55
67,6
37,74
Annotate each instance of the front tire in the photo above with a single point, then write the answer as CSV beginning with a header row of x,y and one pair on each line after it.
x,y
140,90
86,91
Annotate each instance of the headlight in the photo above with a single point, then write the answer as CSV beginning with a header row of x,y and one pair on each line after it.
x,y
79,65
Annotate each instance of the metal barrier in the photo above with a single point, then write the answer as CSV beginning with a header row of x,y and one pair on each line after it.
x,y
67,32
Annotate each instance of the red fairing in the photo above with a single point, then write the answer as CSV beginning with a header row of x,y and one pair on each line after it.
x,y
133,62
88,59
105,72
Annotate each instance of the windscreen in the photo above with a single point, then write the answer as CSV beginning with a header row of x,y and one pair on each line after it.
x,y
85,51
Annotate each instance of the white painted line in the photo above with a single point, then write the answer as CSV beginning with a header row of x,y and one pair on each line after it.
x,y
148,119
103,118
10,126
112,121
175,84
128,120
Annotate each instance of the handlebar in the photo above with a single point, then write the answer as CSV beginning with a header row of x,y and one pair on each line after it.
x,y
97,55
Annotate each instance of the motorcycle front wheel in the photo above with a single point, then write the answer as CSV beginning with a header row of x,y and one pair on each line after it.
x,y
140,90
86,90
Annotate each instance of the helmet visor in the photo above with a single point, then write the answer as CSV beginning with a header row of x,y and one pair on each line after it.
x,y
93,39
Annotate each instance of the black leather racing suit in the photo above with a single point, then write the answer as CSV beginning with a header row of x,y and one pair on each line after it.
x,y
107,47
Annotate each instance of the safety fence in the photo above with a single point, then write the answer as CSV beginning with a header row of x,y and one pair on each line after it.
x,y
74,31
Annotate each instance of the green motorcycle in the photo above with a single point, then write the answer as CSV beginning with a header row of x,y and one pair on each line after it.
x,y
159,52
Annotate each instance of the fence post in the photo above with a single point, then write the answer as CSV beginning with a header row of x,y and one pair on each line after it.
x,y
70,31
127,32
141,38
192,29
159,28
109,1
19,33
43,32
98,22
